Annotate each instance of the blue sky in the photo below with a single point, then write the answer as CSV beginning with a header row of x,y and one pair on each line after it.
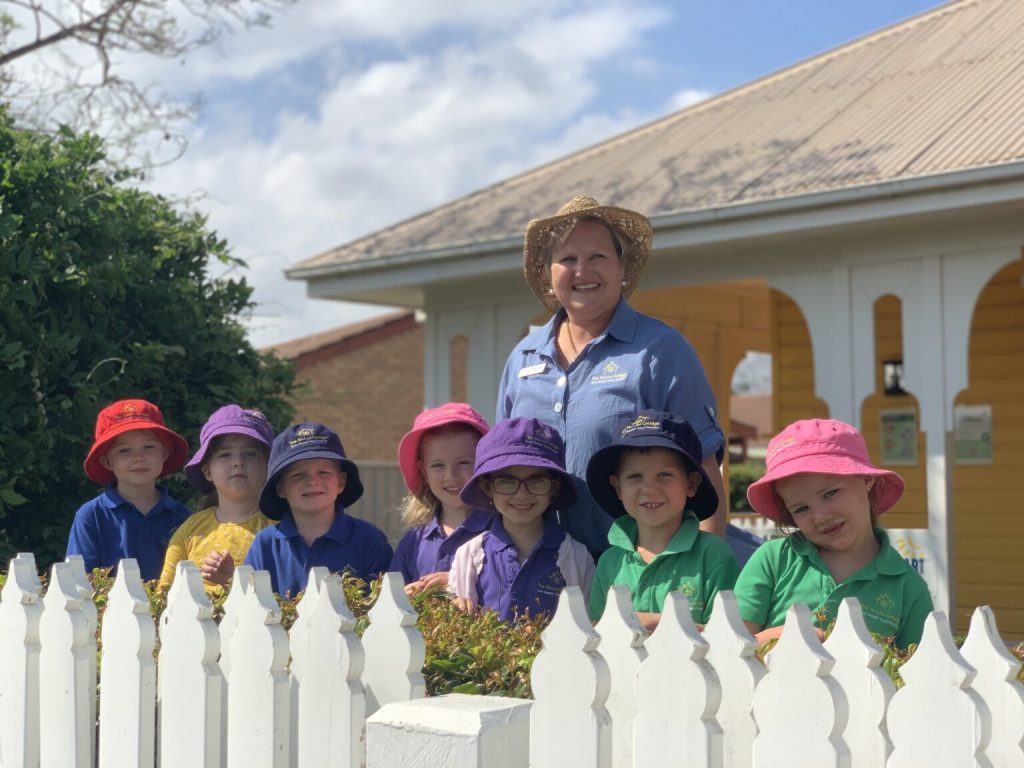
x,y
349,115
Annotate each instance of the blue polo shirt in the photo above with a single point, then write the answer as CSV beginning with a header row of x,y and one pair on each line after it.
x,y
108,529
511,589
426,549
350,545
638,363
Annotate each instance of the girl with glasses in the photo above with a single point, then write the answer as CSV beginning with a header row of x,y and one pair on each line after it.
x,y
519,566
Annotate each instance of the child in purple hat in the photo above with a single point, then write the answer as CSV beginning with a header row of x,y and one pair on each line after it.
x,y
819,480
519,566
436,458
230,467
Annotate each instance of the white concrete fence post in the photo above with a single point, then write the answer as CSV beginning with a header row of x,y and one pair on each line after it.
x,y
67,680
188,678
328,706
569,725
128,675
20,611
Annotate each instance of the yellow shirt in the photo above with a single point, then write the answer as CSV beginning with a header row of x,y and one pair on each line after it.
x,y
202,534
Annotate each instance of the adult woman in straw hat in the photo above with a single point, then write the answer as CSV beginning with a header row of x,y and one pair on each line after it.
x,y
598,360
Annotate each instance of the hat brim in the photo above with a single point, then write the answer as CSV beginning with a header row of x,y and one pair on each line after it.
x,y
194,468
634,228
274,507
177,450
474,496
605,463
884,494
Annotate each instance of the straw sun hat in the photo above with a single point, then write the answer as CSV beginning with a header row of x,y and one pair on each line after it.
x,y
633,227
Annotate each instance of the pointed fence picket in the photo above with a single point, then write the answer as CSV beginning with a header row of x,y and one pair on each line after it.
x,y
605,696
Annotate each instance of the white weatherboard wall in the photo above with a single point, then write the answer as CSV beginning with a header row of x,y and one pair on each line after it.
x,y
605,696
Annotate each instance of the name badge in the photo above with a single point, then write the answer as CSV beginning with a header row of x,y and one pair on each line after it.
x,y
530,370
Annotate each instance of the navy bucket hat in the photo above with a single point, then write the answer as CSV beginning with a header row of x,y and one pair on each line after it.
x,y
651,429
520,442
308,440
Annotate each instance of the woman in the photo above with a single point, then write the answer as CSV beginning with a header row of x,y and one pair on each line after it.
x,y
598,360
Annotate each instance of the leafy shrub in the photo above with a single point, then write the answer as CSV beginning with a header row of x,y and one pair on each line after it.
x,y
740,476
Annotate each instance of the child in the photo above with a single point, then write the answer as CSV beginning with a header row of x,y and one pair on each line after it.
x,y
436,458
310,483
651,480
520,564
820,480
231,466
133,517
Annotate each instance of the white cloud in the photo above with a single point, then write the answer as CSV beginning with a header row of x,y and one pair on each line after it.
x,y
687,98
399,132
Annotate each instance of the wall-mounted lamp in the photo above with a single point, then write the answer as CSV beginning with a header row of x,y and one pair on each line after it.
x,y
892,377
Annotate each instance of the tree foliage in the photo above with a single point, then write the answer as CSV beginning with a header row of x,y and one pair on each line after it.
x,y
106,292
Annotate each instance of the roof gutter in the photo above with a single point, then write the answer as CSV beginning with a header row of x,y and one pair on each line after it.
x,y
933,193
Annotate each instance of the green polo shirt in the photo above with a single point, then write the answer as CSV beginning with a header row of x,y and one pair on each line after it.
x,y
783,572
694,563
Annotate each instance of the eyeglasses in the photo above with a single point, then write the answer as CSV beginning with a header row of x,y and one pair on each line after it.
x,y
538,485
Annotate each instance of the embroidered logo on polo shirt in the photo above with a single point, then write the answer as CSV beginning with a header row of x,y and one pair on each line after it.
x,y
885,602
689,589
608,373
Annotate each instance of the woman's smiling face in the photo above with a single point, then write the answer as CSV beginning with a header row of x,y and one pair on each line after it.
x,y
587,272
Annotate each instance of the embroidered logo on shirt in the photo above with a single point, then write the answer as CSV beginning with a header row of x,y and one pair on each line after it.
x,y
688,589
885,602
609,372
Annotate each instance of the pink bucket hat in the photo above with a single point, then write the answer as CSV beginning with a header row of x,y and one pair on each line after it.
x,y
822,446
432,418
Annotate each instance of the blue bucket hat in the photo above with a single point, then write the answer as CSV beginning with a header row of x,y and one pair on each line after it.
x,y
650,429
519,442
308,440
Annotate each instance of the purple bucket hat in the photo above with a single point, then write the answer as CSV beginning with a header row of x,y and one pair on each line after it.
x,y
519,442
651,429
226,420
821,446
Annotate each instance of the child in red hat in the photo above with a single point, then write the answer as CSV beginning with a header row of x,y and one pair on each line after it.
x,y
133,517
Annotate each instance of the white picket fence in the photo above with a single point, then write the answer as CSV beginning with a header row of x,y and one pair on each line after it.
x,y
246,693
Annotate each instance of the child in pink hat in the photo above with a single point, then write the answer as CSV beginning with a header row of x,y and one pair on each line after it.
x,y
821,482
436,458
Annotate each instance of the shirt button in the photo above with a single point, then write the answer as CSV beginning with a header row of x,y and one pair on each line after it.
x,y
561,381
558,407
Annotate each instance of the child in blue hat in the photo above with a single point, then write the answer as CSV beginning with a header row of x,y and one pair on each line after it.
x,y
651,480
310,481
520,565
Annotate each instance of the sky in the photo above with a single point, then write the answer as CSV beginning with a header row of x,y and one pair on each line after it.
x,y
347,116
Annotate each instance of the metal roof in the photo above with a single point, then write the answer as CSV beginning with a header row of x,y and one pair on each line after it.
x,y
940,93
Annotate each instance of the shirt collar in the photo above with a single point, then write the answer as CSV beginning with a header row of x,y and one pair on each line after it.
x,y
888,561
339,531
623,534
551,539
477,520
622,327
112,499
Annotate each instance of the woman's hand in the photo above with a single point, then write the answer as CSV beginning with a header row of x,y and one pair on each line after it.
x,y
437,579
218,567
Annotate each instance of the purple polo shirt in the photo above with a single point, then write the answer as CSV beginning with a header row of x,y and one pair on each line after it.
x,y
511,589
349,544
426,549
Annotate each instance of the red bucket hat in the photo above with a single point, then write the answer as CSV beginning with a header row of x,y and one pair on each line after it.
x,y
822,446
124,416
432,418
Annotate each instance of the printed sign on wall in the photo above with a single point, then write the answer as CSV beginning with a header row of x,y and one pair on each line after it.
x,y
899,436
972,436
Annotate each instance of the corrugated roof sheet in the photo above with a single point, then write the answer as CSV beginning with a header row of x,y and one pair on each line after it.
x,y
941,92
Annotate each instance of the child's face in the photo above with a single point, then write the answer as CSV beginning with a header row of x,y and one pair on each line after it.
x,y
832,511
518,505
654,486
237,467
447,464
311,486
136,458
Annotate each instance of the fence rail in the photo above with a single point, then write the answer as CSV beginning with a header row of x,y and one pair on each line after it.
x,y
248,693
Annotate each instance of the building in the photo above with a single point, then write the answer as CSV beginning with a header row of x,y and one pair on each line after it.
x,y
859,215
